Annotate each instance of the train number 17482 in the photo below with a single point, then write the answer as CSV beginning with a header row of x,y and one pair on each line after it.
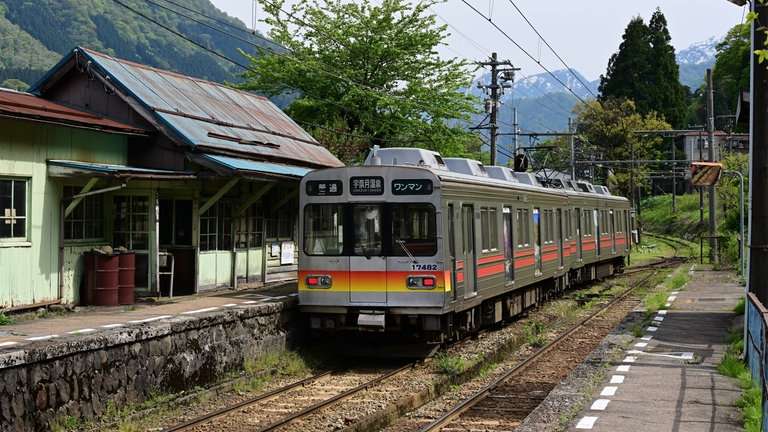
x,y
423,267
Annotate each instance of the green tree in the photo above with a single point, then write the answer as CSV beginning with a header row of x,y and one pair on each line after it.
x,y
644,70
610,130
370,69
667,95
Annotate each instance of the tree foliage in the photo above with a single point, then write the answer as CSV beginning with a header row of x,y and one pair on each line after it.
x,y
611,131
644,70
367,68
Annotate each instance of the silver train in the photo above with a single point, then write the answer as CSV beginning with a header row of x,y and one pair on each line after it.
x,y
413,250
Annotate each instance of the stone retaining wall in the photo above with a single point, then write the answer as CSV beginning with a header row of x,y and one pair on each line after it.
x,y
80,375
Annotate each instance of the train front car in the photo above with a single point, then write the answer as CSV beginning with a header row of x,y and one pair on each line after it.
x,y
371,268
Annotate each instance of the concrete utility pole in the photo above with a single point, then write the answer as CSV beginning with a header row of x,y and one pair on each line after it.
x,y
713,256
507,76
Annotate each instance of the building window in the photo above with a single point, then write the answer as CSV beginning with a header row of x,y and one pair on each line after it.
x,y
216,227
249,231
13,209
131,222
86,221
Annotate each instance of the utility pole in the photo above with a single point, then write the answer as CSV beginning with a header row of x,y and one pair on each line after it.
x,y
573,150
506,76
713,256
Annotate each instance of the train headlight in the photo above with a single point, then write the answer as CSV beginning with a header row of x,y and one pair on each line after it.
x,y
318,281
421,282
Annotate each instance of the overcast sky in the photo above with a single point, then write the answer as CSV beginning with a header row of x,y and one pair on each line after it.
x,y
584,34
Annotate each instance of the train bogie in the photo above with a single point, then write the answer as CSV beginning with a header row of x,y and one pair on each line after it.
x,y
414,248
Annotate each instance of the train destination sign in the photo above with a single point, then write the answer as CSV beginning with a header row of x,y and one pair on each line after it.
x,y
366,185
412,187
324,187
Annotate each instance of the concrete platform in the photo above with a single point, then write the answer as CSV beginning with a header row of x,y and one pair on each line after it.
x,y
667,380
92,319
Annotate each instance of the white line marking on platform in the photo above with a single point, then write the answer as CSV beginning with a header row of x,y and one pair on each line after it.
x,y
622,368
617,379
630,359
647,338
667,304
675,292
651,328
150,319
641,344
634,352
200,310
587,422
85,330
250,302
39,338
658,318
230,305
9,343
662,312
671,298
609,391
113,325
600,405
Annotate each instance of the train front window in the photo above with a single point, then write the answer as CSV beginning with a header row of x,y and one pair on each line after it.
x,y
367,229
323,229
414,230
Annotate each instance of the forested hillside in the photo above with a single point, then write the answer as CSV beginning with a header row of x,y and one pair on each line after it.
x,y
35,34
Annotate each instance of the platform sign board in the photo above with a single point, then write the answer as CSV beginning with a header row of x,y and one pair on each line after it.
x,y
705,173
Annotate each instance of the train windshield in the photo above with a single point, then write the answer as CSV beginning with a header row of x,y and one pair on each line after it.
x,y
407,229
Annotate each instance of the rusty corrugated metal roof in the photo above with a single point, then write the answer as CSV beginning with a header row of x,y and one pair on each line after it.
x,y
30,107
214,118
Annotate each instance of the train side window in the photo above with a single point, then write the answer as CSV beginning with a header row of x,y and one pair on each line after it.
x,y
414,229
523,224
489,227
323,229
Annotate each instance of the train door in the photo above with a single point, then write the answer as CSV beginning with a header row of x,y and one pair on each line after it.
x,y
536,242
509,247
452,253
369,286
469,270
596,217
579,235
613,231
560,238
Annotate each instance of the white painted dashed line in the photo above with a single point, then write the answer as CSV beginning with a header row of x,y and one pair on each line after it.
x,y
150,319
634,352
671,298
609,391
646,338
651,329
658,318
229,305
600,405
250,302
687,356
667,304
39,338
587,422
662,312
630,359
9,343
84,330
641,344
113,325
622,368
210,309
675,292
617,379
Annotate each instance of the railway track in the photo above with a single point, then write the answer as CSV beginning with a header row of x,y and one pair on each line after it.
x,y
290,404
